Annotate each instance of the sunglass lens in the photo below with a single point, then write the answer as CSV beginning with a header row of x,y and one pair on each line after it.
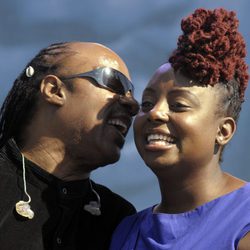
x,y
112,80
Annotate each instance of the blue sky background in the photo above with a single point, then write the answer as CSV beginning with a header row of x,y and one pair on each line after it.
x,y
143,33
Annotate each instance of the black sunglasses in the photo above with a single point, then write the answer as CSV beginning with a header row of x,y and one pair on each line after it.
x,y
107,78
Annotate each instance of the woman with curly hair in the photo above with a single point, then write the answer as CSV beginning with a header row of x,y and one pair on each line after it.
x,y
188,115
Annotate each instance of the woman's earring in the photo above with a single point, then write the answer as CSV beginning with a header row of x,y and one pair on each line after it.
x,y
216,146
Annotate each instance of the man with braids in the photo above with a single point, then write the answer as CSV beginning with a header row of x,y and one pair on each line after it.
x,y
67,114
188,114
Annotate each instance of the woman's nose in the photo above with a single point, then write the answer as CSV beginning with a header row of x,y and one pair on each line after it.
x,y
160,113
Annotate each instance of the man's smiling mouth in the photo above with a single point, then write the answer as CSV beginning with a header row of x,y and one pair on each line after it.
x,y
120,124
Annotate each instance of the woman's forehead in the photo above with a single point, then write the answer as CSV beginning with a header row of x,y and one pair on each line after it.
x,y
166,74
166,79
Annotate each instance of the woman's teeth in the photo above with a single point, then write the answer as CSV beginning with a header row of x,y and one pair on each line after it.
x,y
159,139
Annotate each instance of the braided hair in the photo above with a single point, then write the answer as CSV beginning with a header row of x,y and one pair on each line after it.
x,y
20,103
212,51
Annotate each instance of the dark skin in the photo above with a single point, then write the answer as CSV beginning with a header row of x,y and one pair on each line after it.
x,y
180,136
244,242
72,124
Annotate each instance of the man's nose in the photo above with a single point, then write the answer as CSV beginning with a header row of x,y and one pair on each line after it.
x,y
130,102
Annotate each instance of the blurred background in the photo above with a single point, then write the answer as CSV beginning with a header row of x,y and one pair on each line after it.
x,y
143,33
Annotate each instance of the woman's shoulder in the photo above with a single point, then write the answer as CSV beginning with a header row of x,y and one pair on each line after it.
x,y
132,222
128,228
129,221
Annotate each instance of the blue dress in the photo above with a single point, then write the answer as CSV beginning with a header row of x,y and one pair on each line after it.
x,y
216,225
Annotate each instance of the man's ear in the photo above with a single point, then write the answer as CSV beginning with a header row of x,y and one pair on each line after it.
x,y
53,90
226,130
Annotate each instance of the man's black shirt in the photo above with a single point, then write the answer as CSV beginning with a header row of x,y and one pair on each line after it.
x,y
60,221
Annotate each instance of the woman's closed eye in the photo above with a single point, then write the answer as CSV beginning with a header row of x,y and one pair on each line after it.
x,y
179,106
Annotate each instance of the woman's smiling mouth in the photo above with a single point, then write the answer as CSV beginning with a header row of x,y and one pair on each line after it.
x,y
159,141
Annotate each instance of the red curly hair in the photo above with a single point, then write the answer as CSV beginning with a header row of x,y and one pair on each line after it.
x,y
211,50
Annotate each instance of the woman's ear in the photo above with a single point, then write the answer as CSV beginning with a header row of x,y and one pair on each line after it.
x,y
53,90
226,130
